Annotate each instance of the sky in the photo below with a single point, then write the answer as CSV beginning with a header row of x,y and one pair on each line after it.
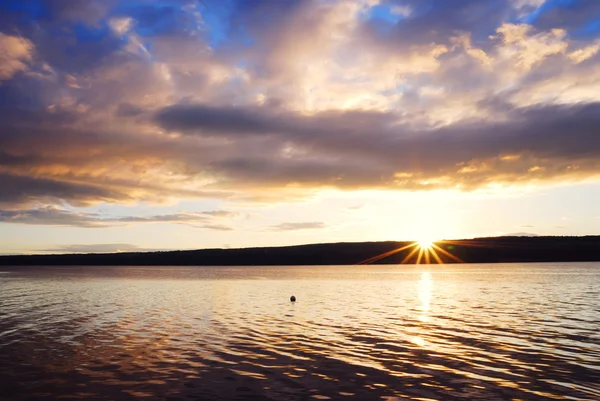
x,y
133,125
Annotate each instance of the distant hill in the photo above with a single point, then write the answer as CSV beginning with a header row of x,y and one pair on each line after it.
x,y
479,250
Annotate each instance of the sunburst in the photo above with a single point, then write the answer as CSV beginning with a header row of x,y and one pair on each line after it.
x,y
426,251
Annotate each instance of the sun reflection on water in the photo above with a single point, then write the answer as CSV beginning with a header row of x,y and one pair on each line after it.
x,y
425,287
424,294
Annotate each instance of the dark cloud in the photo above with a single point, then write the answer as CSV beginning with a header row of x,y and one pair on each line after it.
x,y
281,171
88,11
312,225
579,17
25,189
71,36
328,126
12,160
50,216
260,15
436,21
19,15
54,216
354,149
128,110
223,120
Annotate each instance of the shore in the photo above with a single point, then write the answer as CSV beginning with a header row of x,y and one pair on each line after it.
x,y
478,250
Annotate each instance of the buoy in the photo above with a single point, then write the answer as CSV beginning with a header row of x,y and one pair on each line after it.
x,y
293,298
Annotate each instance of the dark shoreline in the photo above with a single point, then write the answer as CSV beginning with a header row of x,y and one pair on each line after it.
x,y
478,250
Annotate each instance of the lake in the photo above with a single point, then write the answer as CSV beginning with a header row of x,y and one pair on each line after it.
x,y
380,332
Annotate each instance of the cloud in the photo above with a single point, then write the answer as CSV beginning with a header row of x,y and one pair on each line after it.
x,y
222,120
139,101
87,11
358,149
575,15
51,216
54,216
526,226
176,217
15,52
299,226
100,248
437,20
216,227
19,189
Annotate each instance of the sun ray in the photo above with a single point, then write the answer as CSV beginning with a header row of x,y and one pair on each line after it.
x,y
385,254
448,254
421,250
409,255
435,256
424,251
474,243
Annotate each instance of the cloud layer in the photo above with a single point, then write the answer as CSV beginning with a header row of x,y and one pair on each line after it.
x,y
114,101
99,248
311,225
54,216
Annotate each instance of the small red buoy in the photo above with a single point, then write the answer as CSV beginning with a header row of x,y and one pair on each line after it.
x,y
293,298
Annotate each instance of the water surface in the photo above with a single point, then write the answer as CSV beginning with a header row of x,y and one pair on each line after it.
x,y
456,332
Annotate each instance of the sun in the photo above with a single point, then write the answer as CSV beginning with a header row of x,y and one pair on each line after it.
x,y
425,250
425,243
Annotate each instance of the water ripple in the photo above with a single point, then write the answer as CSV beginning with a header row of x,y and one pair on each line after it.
x,y
390,333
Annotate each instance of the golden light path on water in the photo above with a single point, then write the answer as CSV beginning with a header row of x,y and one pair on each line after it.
x,y
377,332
